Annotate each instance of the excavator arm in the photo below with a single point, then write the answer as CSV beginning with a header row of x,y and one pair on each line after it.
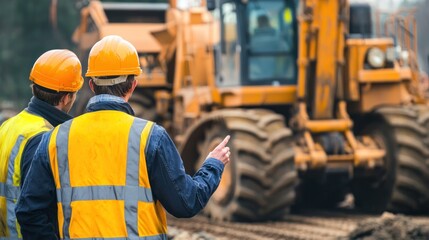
x,y
322,27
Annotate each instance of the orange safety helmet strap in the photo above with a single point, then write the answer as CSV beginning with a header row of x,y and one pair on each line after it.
x,y
113,56
59,70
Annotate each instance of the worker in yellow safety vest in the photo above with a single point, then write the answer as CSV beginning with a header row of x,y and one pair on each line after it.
x,y
56,77
113,174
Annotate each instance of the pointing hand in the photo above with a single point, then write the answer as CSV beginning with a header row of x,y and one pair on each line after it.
x,y
221,152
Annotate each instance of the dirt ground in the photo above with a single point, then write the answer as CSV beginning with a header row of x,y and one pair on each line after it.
x,y
390,227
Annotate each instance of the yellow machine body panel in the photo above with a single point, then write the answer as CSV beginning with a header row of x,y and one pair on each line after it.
x,y
301,86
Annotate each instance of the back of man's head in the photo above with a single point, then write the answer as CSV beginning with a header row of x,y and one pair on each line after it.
x,y
119,89
113,64
55,74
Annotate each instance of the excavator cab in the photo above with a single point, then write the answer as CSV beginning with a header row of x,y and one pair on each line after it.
x,y
258,43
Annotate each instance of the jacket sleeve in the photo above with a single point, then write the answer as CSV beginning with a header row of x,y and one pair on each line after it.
x,y
180,194
36,206
28,154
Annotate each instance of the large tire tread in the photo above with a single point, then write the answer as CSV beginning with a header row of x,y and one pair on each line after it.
x,y
409,127
411,189
265,173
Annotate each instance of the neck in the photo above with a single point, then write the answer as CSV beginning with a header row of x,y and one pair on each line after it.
x,y
126,97
59,108
47,111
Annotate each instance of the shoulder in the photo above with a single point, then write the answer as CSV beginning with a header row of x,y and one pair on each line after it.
x,y
157,131
156,136
34,141
5,121
38,145
154,129
63,126
30,147
45,137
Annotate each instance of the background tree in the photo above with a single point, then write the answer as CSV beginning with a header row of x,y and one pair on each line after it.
x,y
25,33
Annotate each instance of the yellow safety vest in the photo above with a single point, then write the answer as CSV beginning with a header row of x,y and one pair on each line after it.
x,y
98,163
14,134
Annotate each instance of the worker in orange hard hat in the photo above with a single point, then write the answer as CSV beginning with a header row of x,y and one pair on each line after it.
x,y
56,77
111,173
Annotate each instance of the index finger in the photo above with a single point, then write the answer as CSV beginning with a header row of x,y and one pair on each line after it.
x,y
224,142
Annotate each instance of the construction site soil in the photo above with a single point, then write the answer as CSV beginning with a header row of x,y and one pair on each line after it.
x,y
392,227
316,225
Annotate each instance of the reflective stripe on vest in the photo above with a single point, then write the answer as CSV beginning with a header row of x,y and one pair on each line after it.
x,y
14,135
11,192
131,194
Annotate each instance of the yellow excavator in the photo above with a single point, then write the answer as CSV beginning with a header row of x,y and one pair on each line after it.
x,y
316,106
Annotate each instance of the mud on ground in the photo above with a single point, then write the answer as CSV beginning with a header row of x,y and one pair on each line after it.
x,y
390,227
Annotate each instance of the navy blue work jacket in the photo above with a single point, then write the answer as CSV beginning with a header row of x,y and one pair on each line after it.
x,y
180,194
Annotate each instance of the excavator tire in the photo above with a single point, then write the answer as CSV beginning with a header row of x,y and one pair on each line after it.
x,y
403,184
259,183
143,104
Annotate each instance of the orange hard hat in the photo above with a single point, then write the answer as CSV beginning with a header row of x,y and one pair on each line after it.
x,y
59,70
113,56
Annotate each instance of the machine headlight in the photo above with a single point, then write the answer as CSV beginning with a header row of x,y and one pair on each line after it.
x,y
376,57
405,57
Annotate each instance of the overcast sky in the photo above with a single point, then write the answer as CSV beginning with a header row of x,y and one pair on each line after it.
x,y
386,4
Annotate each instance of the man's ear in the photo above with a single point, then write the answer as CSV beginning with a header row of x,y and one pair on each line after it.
x,y
91,85
134,85
64,99
66,102
130,92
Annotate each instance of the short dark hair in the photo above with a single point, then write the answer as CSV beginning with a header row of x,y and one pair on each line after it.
x,y
49,96
119,90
